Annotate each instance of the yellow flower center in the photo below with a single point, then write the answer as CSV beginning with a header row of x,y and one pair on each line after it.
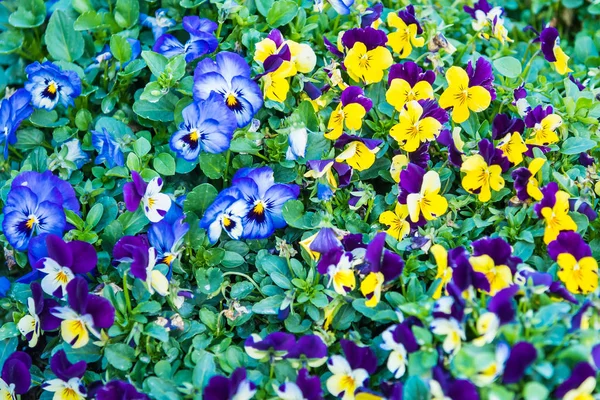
x,y
32,220
364,61
151,202
52,88
194,135
61,277
68,394
231,100
259,208
227,222
347,383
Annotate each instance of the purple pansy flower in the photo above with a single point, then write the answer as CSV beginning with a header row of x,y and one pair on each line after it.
x,y
549,38
119,390
323,168
371,15
522,355
325,240
463,274
167,235
355,94
351,372
237,387
503,125
492,155
308,350
400,341
481,75
498,249
411,72
202,40
481,5
583,378
306,387
13,111
586,160
155,204
370,37
226,213
273,347
39,318
15,378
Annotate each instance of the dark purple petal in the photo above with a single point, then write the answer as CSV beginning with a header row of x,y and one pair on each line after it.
x,y
492,155
126,246
16,371
536,115
408,16
370,37
482,75
548,38
325,240
131,196
503,124
276,341
518,94
577,82
391,265
353,241
49,322
420,156
583,208
432,109
309,385
344,173
501,304
118,390
77,290
411,73
481,5
557,289
549,191
309,346
403,334
584,159
312,90
219,388
354,94
578,317
38,296
596,356
454,155
276,36
359,357
102,311
498,249
521,177
331,257
59,251
374,253
64,369
411,180
84,257
371,15
345,139
571,243
462,389
522,355
580,373
332,48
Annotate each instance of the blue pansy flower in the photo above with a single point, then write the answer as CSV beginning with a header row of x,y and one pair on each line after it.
x,y
226,213
202,40
12,112
297,140
159,24
229,76
75,153
109,150
167,235
342,7
207,126
48,187
264,199
49,85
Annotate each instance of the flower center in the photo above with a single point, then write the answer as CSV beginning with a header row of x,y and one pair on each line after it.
x,y
194,135
226,222
31,221
62,277
363,62
231,100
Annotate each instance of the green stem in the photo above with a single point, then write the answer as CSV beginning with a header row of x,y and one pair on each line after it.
x,y
126,293
528,66
218,34
369,208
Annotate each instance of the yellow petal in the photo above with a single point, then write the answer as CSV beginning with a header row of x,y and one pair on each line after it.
x,y
74,332
354,114
479,98
457,76
398,93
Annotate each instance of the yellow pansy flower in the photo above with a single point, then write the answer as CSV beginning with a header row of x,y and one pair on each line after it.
x,y
481,178
396,220
365,65
412,129
461,97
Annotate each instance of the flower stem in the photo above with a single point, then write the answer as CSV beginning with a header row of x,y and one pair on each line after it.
x,y
126,293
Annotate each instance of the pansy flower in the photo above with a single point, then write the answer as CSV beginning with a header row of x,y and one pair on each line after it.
x,y
339,266
39,318
483,171
136,250
399,162
351,372
108,148
522,355
494,259
202,40
526,184
273,347
580,385
444,272
15,378
237,387
371,15
550,44
342,7
62,262
397,221
500,312
85,314
207,126
520,101
349,113
578,268
584,208
420,191
543,124
509,131
453,141
300,55
452,331
445,387
229,76
264,200
470,90
155,204
275,82
117,389
359,153
367,57
407,82
159,24
306,387
380,266
309,350
326,239
226,213
68,383
49,85
464,277
297,141
485,16
419,122
407,27
495,368
554,210
541,282
323,170
400,341
167,235
13,111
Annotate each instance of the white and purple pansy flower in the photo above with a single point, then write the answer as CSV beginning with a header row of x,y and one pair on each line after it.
x,y
351,372
13,111
202,40
39,318
16,378
273,347
306,387
237,387
400,341
580,385
117,390
229,76
62,261
68,383
309,350
155,204
49,85
207,126
265,200
444,386
226,213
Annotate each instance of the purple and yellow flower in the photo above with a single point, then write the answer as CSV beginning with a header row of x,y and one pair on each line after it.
x,y
264,200
444,272
273,347
306,387
554,210
397,221
68,384
400,341
121,390
407,82
49,85
309,350
580,385
207,126
155,204
85,314
202,40
419,122
526,184
39,318
485,16
420,191
349,113
351,372
483,171
470,90
494,259
543,124
509,131
522,355
15,378
326,239
500,312
229,76
275,83
322,170
62,262
338,264
578,268
300,55
407,27
13,111
226,213
550,44
159,24
367,57
237,387
108,148
359,153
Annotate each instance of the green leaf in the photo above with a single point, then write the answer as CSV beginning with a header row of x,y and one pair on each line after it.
x,y
8,330
153,92
88,21
120,356
161,111
509,67
120,48
263,6
164,164
156,62
204,370
293,213
47,119
157,332
576,145
29,138
281,13
175,69
198,200
268,306
141,147
31,13
7,347
63,42
212,165
415,389
94,215
535,391
10,41
127,13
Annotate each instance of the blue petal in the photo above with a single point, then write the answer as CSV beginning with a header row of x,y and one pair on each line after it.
x,y
205,66
185,147
342,7
4,286
168,46
195,49
232,65
264,179
257,230
209,82
275,198
18,238
248,91
52,218
218,206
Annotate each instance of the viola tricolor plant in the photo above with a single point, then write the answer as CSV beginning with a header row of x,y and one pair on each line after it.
x,y
299,200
